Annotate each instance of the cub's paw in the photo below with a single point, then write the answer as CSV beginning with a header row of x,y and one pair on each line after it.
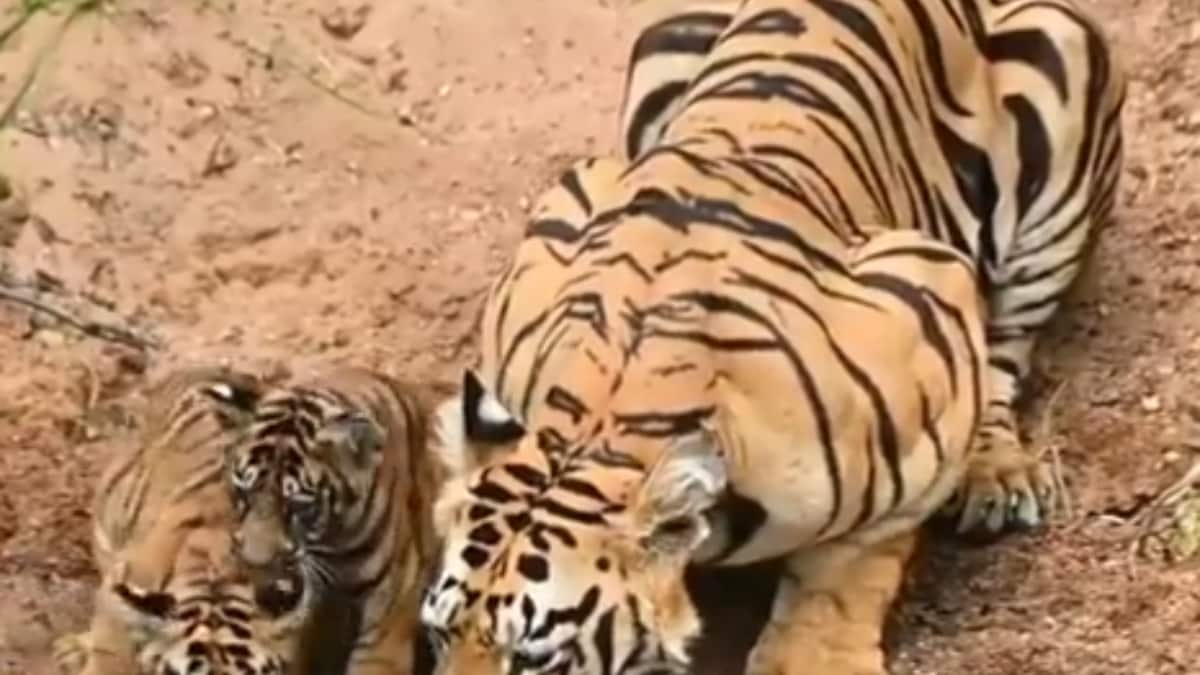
x,y
1004,489
71,652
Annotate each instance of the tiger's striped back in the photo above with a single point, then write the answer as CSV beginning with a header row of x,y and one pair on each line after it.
x,y
333,479
665,57
172,598
1020,102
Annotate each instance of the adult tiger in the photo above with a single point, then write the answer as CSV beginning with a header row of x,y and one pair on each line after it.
x,y
760,333
172,598
332,478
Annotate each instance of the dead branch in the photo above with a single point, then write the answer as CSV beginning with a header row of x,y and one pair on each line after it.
x,y
90,327
1170,496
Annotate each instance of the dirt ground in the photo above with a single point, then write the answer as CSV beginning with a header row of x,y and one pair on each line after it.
x,y
275,182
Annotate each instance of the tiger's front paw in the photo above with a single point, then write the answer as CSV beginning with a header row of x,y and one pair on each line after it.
x,y
814,663
779,654
71,653
1005,488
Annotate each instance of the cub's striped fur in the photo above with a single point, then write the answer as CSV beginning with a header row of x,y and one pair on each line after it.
x,y
333,479
172,599
774,327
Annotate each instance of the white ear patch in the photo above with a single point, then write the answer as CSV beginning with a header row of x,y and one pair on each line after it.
x,y
491,411
470,424
688,479
450,434
222,391
485,419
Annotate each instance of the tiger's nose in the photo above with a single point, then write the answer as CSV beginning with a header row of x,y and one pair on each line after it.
x,y
261,553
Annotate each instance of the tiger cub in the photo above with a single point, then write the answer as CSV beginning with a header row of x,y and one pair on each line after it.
x,y
172,597
332,479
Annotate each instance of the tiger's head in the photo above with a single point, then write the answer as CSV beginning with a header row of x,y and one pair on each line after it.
x,y
209,619
310,471
564,558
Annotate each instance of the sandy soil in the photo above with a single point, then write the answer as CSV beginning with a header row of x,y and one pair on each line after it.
x,y
276,182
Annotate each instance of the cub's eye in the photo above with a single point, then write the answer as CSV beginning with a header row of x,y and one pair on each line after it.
x,y
676,526
290,488
304,508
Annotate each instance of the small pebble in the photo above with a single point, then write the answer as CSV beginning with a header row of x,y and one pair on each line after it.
x,y
1151,404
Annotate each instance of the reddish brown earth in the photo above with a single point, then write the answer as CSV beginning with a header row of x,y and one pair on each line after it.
x,y
245,182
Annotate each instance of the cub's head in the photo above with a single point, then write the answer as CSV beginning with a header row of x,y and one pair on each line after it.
x,y
563,557
307,475
210,619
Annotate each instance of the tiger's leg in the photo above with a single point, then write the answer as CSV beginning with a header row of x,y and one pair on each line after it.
x,y
1070,155
829,611
103,649
389,647
71,651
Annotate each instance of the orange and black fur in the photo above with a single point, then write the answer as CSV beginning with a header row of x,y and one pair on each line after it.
x,y
173,600
789,321
332,478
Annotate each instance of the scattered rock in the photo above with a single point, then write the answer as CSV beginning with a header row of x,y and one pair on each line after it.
x,y
14,213
1105,397
343,22
185,70
221,158
1151,403
133,362
51,339
396,82
104,118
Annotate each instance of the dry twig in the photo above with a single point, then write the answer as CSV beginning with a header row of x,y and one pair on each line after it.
x,y
1043,439
1147,519
1170,496
89,327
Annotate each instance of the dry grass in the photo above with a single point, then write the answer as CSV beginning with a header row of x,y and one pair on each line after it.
x,y
67,11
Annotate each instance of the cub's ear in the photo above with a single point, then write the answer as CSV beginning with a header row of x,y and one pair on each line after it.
x,y
354,434
151,603
473,425
485,419
235,398
669,510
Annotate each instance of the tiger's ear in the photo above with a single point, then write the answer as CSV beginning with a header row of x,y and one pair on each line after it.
x,y
473,425
669,509
354,434
235,397
150,603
